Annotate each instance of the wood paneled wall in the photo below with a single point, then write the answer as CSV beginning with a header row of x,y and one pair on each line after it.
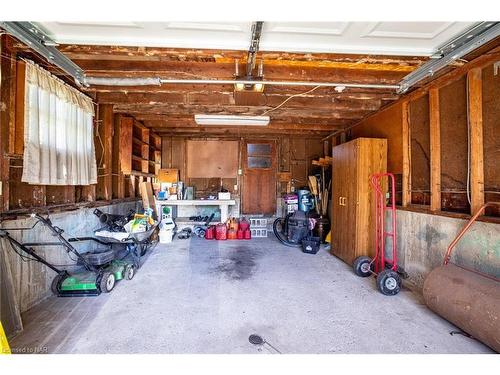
x,y
17,196
429,132
295,155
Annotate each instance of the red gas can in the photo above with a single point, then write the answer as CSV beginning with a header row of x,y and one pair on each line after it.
x,y
247,234
231,234
233,224
221,232
210,233
244,224
239,234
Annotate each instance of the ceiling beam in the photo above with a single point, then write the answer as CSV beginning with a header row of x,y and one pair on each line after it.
x,y
227,97
202,70
183,120
236,132
170,101
236,110
91,52
208,89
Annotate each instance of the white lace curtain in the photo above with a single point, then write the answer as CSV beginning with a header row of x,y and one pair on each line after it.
x,y
58,132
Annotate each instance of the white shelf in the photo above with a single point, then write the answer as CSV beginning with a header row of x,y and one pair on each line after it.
x,y
196,202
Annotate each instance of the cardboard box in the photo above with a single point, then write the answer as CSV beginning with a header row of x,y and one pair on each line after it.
x,y
168,175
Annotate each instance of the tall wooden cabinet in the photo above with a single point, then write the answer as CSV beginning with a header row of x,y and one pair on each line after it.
x,y
353,207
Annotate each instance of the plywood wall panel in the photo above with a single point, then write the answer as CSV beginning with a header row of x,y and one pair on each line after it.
x,y
166,152
60,195
179,156
491,138
284,154
387,124
212,158
453,108
420,148
453,119
491,128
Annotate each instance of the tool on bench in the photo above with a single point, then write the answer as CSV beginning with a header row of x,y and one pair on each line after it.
x,y
200,230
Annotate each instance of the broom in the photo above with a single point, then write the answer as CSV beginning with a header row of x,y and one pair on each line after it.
x,y
313,186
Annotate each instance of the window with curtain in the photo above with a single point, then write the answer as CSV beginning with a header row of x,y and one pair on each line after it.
x,y
58,132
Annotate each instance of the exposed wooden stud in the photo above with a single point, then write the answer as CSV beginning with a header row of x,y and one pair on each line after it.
x,y
7,114
474,80
441,81
406,194
104,148
435,150
20,96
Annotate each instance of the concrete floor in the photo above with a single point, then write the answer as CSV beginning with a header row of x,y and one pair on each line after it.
x,y
197,296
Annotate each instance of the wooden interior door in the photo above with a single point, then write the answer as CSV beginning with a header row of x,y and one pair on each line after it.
x,y
259,177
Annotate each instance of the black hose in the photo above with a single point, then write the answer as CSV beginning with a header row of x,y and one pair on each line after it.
x,y
280,235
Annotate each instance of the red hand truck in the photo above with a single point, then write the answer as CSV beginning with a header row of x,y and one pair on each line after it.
x,y
388,279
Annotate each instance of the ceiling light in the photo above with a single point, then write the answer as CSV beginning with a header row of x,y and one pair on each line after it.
x,y
239,86
229,120
259,87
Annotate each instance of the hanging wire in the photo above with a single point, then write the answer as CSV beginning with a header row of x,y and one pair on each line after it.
x,y
290,98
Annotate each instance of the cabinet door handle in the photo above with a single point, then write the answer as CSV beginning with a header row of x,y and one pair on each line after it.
x,y
344,201
340,201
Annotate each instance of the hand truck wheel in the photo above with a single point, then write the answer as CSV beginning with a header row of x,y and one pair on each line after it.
x,y
388,282
362,266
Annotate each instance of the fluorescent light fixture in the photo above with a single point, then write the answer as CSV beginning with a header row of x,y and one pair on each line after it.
x,y
259,87
239,86
229,120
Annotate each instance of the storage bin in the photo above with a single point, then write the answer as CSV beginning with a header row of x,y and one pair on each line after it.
x,y
165,235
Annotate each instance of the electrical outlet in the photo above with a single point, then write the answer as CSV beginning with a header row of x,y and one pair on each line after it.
x,y
235,187
240,172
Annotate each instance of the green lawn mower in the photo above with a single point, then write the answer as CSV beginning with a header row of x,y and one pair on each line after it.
x,y
97,271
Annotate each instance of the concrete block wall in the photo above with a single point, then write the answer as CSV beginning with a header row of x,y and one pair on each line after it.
x,y
31,280
424,238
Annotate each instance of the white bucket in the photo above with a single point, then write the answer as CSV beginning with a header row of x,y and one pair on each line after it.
x,y
166,236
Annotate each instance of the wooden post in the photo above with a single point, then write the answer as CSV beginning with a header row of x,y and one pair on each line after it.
x,y
122,154
7,114
476,139
406,195
435,148
20,96
104,146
